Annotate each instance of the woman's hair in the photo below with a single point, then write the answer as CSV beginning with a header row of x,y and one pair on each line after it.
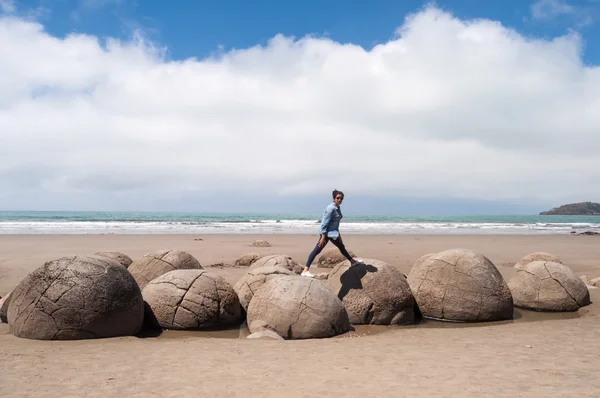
x,y
336,193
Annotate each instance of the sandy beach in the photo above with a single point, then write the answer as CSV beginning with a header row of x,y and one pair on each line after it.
x,y
533,355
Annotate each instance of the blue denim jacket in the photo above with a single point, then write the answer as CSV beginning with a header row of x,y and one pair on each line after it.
x,y
331,221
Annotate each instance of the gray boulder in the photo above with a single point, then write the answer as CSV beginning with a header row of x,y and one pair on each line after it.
x,y
254,279
460,285
548,286
537,256
247,259
297,308
153,265
374,293
278,260
76,297
331,257
192,299
119,257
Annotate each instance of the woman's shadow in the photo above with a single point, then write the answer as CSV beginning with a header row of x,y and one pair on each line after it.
x,y
352,278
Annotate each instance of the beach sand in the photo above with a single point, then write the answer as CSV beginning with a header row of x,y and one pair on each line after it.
x,y
533,355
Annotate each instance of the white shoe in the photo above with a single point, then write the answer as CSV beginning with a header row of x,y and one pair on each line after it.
x,y
307,274
358,261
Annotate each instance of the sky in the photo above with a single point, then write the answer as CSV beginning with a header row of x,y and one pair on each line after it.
x,y
447,107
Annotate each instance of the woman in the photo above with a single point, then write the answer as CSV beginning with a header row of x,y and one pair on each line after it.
x,y
329,231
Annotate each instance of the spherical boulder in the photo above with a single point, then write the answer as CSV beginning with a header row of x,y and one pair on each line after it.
x,y
460,285
192,299
374,293
331,257
297,308
537,256
119,257
246,260
254,279
278,260
153,265
76,297
548,286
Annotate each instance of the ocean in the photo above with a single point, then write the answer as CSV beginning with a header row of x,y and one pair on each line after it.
x,y
53,222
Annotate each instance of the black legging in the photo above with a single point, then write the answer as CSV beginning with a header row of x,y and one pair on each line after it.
x,y
337,242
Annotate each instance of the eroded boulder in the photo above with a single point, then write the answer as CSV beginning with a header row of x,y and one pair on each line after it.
x,y
119,257
192,299
260,243
254,279
4,301
265,335
537,256
247,259
76,297
460,285
374,293
548,286
331,257
278,260
153,265
297,308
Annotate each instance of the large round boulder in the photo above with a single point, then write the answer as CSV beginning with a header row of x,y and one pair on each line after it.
x,y
254,279
119,257
374,293
537,256
153,265
548,286
192,299
331,257
297,308
76,297
278,260
460,285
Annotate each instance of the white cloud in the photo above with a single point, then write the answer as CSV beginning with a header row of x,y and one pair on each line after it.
x,y
7,6
448,108
547,10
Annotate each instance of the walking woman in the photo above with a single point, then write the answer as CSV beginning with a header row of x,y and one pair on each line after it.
x,y
329,231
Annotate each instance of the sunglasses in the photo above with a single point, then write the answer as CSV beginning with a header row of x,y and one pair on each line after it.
x,y
339,197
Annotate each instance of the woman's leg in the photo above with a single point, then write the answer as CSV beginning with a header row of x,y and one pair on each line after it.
x,y
315,252
340,245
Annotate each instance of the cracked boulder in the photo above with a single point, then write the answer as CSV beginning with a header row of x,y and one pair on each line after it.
x,y
278,260
331,257
119,257
193,299
548,286
153,265
460,285
537,256
76,297
4,301
246,260
254,279
297,308
374,293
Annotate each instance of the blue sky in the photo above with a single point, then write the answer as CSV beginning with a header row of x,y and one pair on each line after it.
x,y
199,28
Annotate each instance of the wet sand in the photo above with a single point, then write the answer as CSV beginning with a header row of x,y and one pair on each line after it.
x,y
536,354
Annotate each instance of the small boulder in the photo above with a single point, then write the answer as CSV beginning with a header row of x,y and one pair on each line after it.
x,y
254,279
374,293
548,286
78,297
119,257
192,299
278,260
595,282
460,285
260,243
247,259
265,335
297,308
537,256
153,265
331,257
4,301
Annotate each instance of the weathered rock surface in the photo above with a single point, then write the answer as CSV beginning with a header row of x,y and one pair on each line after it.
x,y
331,257
548,286
374,293
595,282
260,243
4,301
247,259
254,279
119,257
460,285
76,297
192,299
297,308
537,256
265,335
153,265
278,260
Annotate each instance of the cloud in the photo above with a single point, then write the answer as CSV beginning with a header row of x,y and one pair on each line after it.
x,y
448,108
547,10
7,6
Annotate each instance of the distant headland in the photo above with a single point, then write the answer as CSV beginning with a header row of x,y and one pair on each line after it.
x,y
574,209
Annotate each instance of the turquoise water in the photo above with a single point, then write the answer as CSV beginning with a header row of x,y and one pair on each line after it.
x,y
28,222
